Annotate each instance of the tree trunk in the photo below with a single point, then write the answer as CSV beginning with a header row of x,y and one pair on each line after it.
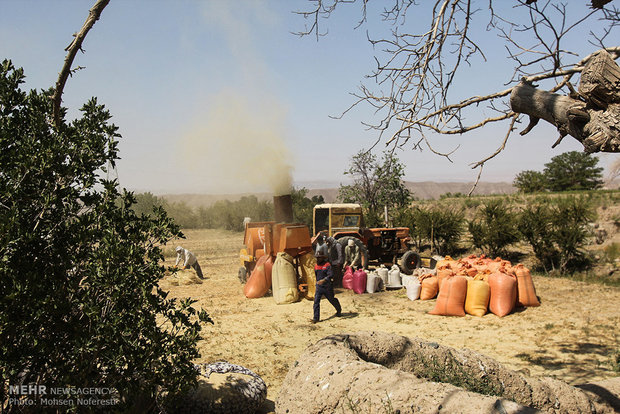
x,y
595,123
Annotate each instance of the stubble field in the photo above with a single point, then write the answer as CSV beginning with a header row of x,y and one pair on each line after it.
x,y
572,336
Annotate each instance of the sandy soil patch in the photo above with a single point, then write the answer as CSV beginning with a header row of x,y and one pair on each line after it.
x,y
571,336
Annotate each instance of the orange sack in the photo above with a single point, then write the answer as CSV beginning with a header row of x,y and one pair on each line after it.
x,y
477,299
446,260
503,293
526,292
451,299
430,287
444,272
260,279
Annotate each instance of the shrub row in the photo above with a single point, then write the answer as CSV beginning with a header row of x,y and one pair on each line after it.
x,y
557,231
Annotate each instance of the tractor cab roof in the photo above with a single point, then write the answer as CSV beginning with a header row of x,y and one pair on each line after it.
x,y
341,205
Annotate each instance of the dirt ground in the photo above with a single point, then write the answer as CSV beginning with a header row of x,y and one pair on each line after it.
x,y
572,336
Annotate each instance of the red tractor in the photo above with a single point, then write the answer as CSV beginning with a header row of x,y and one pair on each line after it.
x,y
345,222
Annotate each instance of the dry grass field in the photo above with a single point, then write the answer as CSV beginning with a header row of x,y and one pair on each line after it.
x,y
572,336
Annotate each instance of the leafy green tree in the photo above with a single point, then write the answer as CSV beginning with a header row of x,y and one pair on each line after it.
x,y
182,214
494,228
229,215
304,206
573,170
79,301
146,203
376,185
529,181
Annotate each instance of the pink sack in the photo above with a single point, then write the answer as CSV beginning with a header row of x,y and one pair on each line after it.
x,y
347,278
359,281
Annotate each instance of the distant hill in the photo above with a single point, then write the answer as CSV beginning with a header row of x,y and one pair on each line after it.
x,y
421,190
431,190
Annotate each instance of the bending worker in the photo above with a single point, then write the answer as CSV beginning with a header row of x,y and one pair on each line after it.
x,y
188,260
352,255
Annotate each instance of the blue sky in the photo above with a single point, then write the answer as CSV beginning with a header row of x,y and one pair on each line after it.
x,y
220,97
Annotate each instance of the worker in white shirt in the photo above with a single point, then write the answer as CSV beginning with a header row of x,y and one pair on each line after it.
x,y
188,260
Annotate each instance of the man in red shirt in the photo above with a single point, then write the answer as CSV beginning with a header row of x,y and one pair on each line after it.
x,y
324,286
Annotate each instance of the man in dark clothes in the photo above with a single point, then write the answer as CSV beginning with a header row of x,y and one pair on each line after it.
x,y
324,287
336,259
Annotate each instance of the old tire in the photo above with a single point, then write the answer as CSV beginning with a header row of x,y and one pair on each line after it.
x,y
409,262
364,251
243,275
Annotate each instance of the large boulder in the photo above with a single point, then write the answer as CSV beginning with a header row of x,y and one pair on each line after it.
x,y
222,388
376,372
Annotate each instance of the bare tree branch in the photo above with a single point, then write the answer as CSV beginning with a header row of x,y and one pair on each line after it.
x,y
417,70
72,49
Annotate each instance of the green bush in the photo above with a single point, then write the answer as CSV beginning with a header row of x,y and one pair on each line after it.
x,y
79,302
441,227
530,181
494,228
612,252
558,232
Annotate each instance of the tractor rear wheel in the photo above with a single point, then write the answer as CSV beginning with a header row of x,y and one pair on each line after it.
x,y
409,262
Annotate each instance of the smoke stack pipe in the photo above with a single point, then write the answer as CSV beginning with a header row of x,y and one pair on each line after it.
x,y
283,208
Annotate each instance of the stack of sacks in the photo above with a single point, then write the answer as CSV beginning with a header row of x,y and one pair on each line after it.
x,y
474,285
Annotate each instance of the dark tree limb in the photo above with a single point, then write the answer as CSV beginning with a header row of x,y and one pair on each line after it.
x,y
72,49
594,120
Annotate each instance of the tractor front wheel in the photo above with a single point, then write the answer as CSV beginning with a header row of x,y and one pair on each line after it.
x,y
409,262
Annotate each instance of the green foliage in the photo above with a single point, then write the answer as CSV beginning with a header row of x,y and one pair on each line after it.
x,y
147,203
612,252
615,360
449,371
304,206
79,302
223,214
494,228
450,195
441,227
570,171
530,181
229,215
558,231
376,185
573,170
183,215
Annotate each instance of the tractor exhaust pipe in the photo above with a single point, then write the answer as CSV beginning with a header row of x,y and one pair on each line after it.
x,y
283,208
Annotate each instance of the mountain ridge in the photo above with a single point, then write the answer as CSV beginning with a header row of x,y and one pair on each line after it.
x,y
421,190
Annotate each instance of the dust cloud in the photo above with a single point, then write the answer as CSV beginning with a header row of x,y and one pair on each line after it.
x,y
237,147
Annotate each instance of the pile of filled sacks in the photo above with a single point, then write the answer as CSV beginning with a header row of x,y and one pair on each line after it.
x,y
475,285
382,278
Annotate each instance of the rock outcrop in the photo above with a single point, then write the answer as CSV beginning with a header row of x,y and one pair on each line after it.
x,y
381,372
